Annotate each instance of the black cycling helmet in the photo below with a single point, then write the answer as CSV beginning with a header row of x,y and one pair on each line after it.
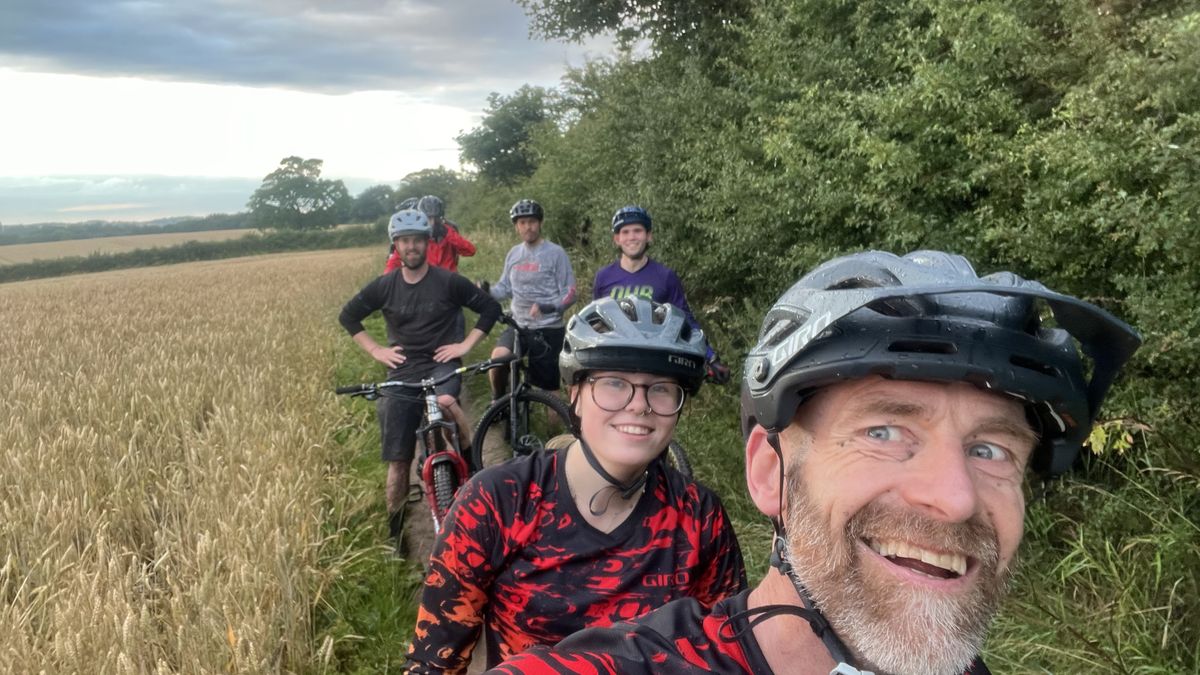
x,y
630,215
432,206
928,316
633,334
525,208
410,203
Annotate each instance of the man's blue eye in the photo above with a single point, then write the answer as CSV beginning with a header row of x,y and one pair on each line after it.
x,y
989,451
884,433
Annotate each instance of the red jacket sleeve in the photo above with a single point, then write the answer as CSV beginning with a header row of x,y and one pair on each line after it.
x,y
393,262
459,243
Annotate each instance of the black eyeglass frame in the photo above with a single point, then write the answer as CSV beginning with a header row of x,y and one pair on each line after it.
x,y
633,387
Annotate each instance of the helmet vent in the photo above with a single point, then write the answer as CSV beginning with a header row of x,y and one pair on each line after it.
x,y
629,309
659,314
920,347
1036,366
775,334
598,323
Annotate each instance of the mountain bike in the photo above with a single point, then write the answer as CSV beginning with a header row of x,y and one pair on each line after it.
x,y
443,465
537,416
525,418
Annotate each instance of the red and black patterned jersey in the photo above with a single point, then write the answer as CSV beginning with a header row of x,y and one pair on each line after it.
x,y
681,638
517,560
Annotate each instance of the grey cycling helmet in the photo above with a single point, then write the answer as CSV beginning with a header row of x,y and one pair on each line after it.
x,y
432,206
406,222
526,208
633,334
928,316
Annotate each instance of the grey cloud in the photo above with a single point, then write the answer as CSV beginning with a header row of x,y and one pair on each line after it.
x,y
454,52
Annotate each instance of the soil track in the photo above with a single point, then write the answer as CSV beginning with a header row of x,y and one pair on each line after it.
x,y
418,535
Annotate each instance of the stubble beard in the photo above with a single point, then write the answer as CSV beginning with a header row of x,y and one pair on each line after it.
x,y
414,262
892,626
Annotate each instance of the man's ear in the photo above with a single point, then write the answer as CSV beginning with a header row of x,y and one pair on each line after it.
x,y
762,472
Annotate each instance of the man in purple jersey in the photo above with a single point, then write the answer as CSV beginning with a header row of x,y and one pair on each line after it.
x,y
892,409
635,273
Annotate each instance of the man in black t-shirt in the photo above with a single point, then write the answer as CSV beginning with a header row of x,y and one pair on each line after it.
x,y
419,304
892,408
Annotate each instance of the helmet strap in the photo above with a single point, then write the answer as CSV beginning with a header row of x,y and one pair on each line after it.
x,y
626,491
809,612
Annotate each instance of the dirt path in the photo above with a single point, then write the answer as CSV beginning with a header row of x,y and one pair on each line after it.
x,y
418,523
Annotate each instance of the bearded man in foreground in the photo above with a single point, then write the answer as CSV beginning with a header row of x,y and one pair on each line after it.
x,y
893,407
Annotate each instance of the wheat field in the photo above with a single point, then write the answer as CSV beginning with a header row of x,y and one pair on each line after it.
x,y
165,456
23,253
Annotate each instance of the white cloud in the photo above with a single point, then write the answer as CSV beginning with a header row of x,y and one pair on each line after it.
x,y
70,124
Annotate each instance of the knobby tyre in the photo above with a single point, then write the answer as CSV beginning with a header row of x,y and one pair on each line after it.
x,y
541,416
677,457
445,484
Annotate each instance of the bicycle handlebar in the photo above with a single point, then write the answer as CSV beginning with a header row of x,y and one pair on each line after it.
x,y
368,388
529,335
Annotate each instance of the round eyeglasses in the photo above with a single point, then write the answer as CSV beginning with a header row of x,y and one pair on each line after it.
x,y
613,393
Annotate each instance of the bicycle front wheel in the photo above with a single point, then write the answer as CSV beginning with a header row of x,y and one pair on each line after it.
x,y
540,416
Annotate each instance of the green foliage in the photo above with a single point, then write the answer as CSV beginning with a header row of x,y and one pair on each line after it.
x,y
1060,140
295,197
666,22
439,182
373,203
251,244
499,146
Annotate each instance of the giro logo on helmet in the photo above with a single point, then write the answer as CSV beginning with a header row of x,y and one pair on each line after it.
x,y
681,361
796,341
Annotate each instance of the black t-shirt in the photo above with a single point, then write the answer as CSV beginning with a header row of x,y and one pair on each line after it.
x,y
420,317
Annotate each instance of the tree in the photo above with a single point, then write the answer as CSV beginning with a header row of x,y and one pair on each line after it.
x,y
693,23
440,182
500,146
375,202
294,196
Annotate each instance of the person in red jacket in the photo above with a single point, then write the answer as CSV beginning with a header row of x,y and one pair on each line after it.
x,y
446,243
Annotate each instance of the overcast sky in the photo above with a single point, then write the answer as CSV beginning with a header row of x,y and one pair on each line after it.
x,y
227,88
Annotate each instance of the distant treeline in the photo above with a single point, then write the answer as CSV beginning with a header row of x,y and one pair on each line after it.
x,y
251,244
44,232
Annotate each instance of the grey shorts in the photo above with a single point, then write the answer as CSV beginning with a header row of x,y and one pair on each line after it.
x,y
400,415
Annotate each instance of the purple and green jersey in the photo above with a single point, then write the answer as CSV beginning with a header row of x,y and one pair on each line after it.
x,y
655,281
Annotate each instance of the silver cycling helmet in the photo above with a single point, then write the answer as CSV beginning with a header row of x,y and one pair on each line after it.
x,y
407,222
928,316
633,334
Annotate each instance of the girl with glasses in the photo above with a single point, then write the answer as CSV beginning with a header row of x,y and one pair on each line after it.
x,y
598,532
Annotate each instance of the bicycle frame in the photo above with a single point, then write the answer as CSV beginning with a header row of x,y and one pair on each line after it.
x,y
438,437
516,382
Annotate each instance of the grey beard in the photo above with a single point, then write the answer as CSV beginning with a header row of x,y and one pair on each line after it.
x,y
893,628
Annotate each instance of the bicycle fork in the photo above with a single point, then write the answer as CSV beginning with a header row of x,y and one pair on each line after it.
x,y
434,457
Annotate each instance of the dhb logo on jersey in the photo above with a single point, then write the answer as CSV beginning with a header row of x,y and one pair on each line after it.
x,y
619,292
